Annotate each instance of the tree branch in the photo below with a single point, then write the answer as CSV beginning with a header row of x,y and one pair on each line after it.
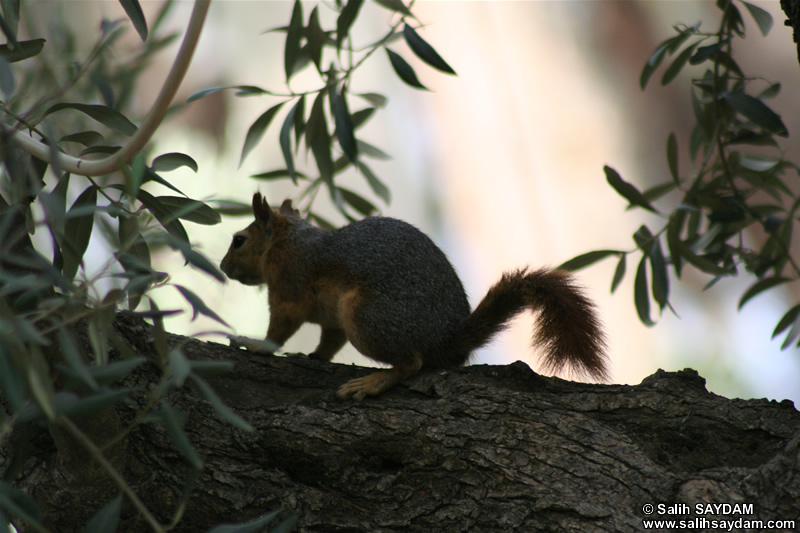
x,y
482,448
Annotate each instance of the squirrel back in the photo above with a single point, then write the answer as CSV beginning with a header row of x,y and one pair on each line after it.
x,y
386,287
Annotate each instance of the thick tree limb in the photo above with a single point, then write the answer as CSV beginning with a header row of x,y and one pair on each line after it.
x,y
482,448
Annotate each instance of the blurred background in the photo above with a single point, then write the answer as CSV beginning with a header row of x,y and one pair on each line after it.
x,y
501,165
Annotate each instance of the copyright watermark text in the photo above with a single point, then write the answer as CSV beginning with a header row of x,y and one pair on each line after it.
x,y
722,516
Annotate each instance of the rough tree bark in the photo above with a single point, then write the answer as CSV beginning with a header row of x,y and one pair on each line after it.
x,y
482,448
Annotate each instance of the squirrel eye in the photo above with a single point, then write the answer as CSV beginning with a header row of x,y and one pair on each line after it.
x,y
238,241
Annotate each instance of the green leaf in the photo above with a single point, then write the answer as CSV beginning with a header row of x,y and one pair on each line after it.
x,y
761,286
10,18
93,404
316,38
346,19
703,123
40,384
358,202
17,503
794,332
110,27
254,526
103,114
106,519
74,359
378,100
8,85
275,175
425,51
789,319
726,60
319,140
244,90
299,121
198,306
291,51
257,130
770,92
134,12
287,526
619,272
702,263
104,88
219,406
171,419
55,206
361,116
758,164
674,228
654,61
641,295
22,50
285,140
341,164
677,65
210,369
660,277
173,160
179,368
86,138
705,52
196,259
643,238
191,210
372,151
113,372
733,19
672,157
131,241
161,15
12,383
164,215
232,207
584,260
626,190
395,5
762,17
377,186
657,191
78,230
756,111
404,70
101,150
344,124
100,325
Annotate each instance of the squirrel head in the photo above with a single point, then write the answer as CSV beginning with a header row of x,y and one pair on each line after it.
x,y
245,261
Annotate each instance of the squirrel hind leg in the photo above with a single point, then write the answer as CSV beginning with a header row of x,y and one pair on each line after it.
x,y
376,383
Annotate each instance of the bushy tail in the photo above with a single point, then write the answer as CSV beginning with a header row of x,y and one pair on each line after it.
x,y
568,330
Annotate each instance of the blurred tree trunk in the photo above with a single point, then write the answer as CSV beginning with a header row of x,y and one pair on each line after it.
x,y
482,448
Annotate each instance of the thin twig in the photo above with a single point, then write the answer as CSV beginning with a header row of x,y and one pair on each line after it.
x,y
112,163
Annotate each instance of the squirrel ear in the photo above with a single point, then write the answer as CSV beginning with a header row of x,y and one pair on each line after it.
x,y
287,209
261,209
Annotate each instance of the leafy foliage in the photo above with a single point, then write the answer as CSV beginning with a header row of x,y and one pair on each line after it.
x,y
321,119
733,211
50,300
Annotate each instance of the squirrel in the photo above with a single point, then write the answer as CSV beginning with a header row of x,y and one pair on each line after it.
x,y
383,285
